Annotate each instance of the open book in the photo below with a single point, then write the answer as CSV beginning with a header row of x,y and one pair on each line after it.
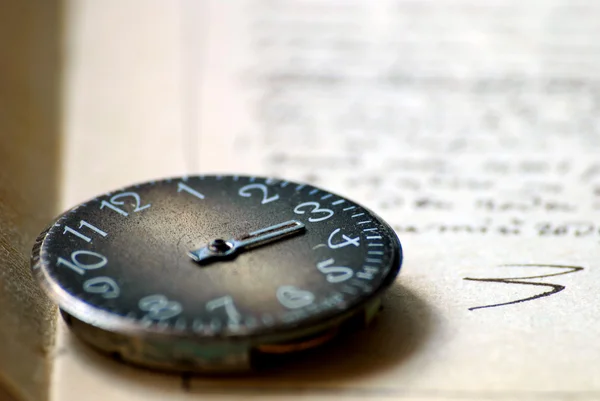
x,y
472,127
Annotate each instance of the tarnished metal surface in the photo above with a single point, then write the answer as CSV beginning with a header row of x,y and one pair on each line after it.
x,y
134,278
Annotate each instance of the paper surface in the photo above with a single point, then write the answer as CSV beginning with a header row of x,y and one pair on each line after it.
x,y
471,127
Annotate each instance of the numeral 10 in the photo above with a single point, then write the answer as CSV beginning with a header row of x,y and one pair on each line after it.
x,y
79,267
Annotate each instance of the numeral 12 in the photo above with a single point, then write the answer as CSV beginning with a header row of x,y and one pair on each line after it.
x,y
116,200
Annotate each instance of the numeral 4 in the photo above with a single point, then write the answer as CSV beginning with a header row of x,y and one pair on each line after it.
x,y
347,240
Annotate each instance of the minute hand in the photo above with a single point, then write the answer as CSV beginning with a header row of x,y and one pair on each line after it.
x,y
223,249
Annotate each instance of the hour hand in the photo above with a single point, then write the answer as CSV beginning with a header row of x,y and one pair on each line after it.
x,y
224,249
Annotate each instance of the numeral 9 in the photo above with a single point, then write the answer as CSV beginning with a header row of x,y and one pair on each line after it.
x,y
105,286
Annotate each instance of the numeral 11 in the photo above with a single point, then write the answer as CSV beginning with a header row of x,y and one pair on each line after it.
x,y
85,224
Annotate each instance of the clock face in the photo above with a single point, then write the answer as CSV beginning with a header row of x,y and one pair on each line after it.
x,y
215,256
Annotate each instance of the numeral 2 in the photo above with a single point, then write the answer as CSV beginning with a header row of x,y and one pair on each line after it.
x,y
245,192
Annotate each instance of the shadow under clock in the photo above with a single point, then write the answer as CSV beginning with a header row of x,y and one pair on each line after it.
x,y
404,321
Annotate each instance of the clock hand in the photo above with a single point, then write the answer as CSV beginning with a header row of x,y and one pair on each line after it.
x,y
222,249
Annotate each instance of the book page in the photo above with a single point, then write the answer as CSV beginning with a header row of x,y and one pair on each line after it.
x,y
471,127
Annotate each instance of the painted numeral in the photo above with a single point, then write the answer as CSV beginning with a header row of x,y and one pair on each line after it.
x,y
347,240
335,274
113,207
226,302
316,209
116,201
183,187
159,307
80,267
294,298
245,191
105,286
85,224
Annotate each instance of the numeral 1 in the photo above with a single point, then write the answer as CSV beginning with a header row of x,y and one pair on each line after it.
x,y
183,187
82,224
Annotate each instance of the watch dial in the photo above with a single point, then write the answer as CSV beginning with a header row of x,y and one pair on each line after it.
x,y
217,255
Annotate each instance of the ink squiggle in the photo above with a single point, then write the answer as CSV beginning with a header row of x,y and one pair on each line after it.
x,y
554,288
